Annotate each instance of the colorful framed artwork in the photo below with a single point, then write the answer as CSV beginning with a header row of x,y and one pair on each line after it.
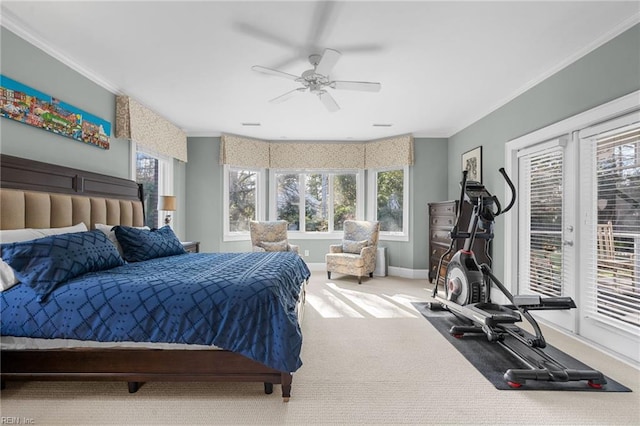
x,y
472,161
22,103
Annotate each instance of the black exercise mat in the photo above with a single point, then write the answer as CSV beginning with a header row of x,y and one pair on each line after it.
x,y
492,360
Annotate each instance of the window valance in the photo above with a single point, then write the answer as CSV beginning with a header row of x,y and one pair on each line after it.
x,y
246,152
138,123
305,155
389,152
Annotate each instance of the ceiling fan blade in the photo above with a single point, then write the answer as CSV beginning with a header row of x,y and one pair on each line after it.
x,y
328,101
328,61
287,95
323,19
360,48
277,73
264,35
362,86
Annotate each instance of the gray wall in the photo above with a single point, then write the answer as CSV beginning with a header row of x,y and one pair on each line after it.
x,y
29,65
607,73
428,182
25,63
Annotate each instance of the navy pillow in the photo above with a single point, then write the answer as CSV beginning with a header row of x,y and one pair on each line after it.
x,y
46,262
144,244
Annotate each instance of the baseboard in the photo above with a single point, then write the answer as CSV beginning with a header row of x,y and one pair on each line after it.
x,y
394,271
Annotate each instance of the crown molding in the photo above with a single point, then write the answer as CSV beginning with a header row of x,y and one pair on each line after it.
x,y
615,32
12,23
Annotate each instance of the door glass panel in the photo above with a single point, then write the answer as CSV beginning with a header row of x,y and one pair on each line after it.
x,y
617,290
545,191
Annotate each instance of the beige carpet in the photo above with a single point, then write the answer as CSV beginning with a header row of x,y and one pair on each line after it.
x,y
369,358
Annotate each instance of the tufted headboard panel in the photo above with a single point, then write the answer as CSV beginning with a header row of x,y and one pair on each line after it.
x,y
40,195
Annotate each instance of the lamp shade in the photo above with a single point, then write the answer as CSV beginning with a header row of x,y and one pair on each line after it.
x,y
167,203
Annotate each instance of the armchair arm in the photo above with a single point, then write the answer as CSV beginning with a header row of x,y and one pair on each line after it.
x,y
258,249
294,248
369,252
335,248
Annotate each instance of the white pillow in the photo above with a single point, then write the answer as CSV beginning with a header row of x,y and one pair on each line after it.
x,y
7,276
111,234
26,234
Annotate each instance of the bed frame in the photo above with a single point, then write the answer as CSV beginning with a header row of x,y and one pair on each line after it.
x,y
134,366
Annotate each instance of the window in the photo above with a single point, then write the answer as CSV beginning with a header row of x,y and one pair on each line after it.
x,y
388,189
155,173
316,202
242,201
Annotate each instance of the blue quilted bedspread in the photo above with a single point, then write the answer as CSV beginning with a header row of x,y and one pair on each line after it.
x,y
242,302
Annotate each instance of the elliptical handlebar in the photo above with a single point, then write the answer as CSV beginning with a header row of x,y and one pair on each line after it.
x,y
511,186
463,187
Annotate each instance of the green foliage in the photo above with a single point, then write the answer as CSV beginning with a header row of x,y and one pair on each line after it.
x,y
242,199
390,200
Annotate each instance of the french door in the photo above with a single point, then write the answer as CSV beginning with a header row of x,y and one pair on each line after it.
x,y
546,225
610,181
576,227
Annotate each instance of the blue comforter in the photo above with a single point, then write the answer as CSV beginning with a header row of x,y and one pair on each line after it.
x,y
242,302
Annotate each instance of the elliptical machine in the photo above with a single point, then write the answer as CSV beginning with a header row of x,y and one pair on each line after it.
x,y
467,294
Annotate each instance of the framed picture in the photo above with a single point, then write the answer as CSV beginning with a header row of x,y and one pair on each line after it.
x,y
472,161
27,105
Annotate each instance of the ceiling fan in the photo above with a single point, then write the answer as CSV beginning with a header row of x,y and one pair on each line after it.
x,y
317,80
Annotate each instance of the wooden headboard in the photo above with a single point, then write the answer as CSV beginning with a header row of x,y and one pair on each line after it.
x,y
41,195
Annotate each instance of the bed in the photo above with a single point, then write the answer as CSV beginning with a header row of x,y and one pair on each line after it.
x,y
186,341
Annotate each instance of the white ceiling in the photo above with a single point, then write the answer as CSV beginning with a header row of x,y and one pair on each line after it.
x,y
442,65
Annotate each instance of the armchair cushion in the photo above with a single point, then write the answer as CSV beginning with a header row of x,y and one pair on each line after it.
x,y
270,236
335,248
274,246
350,246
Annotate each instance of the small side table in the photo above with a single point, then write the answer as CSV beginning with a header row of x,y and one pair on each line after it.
x,y
191,246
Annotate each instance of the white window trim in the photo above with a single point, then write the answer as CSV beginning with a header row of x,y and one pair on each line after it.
x,y
260,202
372,194
165,172
307,235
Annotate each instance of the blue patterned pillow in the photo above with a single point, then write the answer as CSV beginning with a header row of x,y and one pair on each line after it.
x,y
142,244
46,262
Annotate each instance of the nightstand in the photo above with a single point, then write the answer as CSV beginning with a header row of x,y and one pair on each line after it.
x,y
191,246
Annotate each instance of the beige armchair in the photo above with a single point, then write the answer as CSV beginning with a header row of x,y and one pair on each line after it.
x,y
270,236
357,253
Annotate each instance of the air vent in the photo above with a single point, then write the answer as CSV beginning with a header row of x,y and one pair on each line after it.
x,y
251,124
382,124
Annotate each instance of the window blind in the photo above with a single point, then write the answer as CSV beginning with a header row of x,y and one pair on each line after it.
x,y
614,293
541,260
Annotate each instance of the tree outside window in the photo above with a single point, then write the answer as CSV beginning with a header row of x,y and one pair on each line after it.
x,y
328,199
288,199
147,173
345,190
390,200
242,199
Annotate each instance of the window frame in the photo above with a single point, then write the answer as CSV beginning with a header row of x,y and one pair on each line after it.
x,y
227,234
372,205
315,235
165,175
